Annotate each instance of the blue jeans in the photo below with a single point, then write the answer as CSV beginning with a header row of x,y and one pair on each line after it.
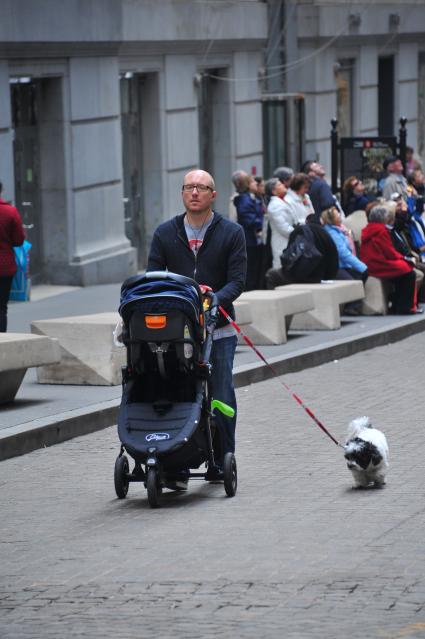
x,y
222,355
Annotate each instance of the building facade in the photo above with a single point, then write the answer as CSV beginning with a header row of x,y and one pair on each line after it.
x,y
106,104
361,62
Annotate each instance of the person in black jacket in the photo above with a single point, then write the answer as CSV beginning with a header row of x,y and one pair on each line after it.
x,y
327,269
210,249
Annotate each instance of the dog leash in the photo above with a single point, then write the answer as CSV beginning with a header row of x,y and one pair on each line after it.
x,y
276,374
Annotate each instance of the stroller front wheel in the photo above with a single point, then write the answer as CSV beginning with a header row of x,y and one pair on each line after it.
x,y
153,487
121,476
230,474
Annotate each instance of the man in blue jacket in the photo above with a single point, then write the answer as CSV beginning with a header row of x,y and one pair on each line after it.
x,y
320,192
210,249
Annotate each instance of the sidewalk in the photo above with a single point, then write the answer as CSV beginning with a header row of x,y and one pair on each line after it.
x,y
43,415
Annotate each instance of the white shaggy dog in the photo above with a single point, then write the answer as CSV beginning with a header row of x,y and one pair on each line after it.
x,y
366,452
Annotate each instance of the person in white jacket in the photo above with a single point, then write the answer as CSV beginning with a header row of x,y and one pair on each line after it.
x,y
284,214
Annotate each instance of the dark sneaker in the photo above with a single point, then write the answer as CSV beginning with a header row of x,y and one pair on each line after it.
x,y
214,474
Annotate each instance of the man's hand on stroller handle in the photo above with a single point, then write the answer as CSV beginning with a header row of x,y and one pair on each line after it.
x,y
211,306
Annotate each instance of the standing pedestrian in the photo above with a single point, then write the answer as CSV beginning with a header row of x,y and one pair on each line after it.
x,y
284,174
320,192
205,246
250,217
285,214
11,234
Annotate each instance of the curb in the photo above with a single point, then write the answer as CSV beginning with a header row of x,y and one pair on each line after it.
x,y
41,433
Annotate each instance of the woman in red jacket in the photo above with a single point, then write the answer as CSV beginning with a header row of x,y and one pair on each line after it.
x,y
383,261
11,234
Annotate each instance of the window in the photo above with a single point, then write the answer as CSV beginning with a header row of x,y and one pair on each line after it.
x,y
386,96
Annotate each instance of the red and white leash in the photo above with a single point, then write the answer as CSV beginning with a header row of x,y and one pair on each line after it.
x,y
274,371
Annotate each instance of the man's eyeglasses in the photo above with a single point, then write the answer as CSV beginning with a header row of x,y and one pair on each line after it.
x,y
201,188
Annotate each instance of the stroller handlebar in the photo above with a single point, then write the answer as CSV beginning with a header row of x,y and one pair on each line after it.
x,y
212,312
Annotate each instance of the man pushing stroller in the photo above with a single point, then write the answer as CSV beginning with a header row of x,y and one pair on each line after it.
x,y
203,245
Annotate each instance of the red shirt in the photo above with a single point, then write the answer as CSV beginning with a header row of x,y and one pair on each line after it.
x,y
11,234
378,252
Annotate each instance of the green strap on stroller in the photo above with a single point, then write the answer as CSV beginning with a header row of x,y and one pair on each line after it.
x,y
225,409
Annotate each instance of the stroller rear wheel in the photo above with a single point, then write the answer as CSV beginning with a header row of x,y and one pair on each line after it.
x,y
154,488
230,474
121,476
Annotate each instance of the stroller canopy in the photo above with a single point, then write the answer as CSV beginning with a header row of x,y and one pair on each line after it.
x,y
162,288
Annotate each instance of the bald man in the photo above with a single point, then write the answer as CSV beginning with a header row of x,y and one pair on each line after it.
x,y
210,249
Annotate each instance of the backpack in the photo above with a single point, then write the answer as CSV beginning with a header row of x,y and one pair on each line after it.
x,y
301,257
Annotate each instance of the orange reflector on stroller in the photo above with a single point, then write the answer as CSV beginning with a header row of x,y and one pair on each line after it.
x,y
156,321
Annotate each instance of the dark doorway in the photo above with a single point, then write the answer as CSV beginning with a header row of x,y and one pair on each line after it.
x,y
132,154
26,148
386,96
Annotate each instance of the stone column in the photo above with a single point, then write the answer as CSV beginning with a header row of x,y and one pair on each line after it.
x,y
408,91
100,251
368,91
247,116
181,139
6,135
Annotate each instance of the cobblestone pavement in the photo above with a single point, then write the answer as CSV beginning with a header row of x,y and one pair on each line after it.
x,y
297,553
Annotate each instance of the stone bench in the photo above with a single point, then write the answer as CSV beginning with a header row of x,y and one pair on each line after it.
x,y
327,297
18,352
243,317
272,312
89,355
376,297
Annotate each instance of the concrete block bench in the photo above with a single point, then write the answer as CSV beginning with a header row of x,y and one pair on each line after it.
x,y
243,316
18,352
327,296
272,312
89,355
376,297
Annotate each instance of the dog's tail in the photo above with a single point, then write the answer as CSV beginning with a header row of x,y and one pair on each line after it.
x,y
357,425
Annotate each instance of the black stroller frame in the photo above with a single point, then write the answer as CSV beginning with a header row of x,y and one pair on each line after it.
x,y
166,421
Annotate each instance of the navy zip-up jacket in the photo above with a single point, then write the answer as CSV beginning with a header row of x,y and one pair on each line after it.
x,y
321,196
220,262
250,216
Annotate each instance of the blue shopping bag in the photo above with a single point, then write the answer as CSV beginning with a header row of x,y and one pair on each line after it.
x,y
21,283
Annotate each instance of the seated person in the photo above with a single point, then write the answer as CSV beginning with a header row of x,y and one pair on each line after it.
x,y
324,269
383,261
354,198
398,223
347,260
417,180
349,265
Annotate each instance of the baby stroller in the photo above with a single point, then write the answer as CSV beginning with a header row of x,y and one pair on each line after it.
x,y
166,417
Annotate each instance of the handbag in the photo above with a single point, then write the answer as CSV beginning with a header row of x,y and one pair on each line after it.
x,y
21,283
